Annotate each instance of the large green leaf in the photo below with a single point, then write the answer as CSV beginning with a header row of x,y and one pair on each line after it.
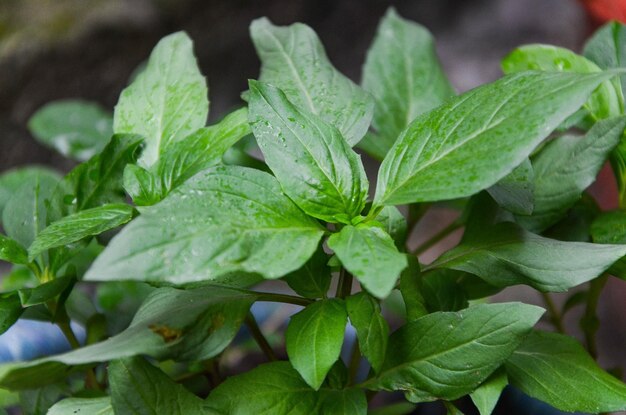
x,y
315,166
80,225
293,59
168,99
139,388
12,180
566,167
25,213
190,325
371,327
277,389
488,131
505,255
556,369
446,355
515,191
80,406
486,396
606,101
370,255
75,128
11,251
314,338
404,75
223,220
200,150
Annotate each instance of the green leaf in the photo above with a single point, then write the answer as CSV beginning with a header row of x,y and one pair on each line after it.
x,y
98,181
566,167
370,255
293,59
371,327
605,102
168,99
609,228
44,292
194,324
395,225
12,180
315,166
411,290
506,255
556,369
607,48
12,251
10,310
77,129
502,122
314,338
139,388
277,389
223,220
446,355
200,150
442,291
404,75
515,191
83,406
141,185
73,228
486,396
38,401
313,279
25,213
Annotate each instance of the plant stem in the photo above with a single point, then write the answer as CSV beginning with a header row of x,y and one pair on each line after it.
x,y
355,359
556,318
416,213
284,298
213,374
589,322
344,284
436,238
260,339
63,322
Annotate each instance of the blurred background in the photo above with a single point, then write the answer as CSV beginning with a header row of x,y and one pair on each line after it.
x,y
57,49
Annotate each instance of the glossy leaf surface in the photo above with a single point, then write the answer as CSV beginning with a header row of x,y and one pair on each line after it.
x,y
294,60
223,220
507,119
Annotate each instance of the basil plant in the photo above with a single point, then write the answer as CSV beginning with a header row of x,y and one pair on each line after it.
x,y
148,255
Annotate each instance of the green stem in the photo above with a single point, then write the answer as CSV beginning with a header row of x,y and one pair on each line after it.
x,y
556,318
63,322
416,213
344,285
355,359
436,238
212,370
451,408
589,322
260,338
283,298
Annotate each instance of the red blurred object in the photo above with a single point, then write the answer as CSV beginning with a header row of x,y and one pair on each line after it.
x,y
601,11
